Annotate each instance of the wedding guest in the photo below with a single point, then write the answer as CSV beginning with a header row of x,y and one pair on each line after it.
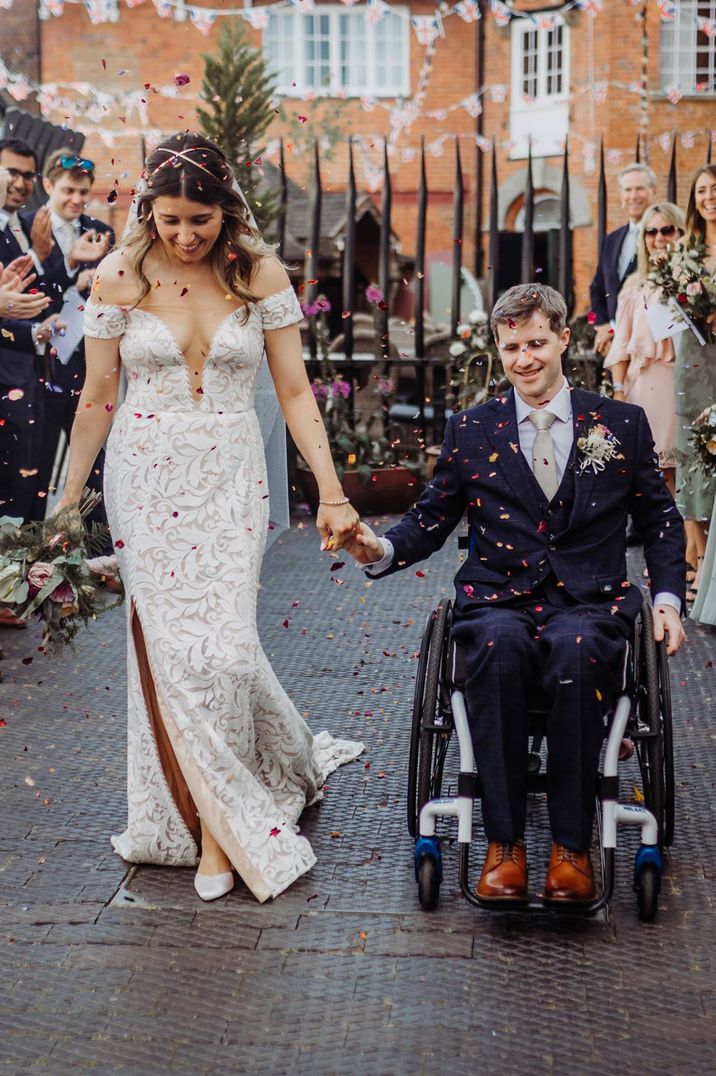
x,y
643,369
68,181
21,369
617,257
695,380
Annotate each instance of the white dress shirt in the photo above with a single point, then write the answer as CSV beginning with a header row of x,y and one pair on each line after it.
x,y
628,248
562,431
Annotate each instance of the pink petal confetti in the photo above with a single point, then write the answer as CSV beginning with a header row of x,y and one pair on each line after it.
x,y
181,80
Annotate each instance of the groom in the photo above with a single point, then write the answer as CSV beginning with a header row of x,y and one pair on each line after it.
x,y
547,474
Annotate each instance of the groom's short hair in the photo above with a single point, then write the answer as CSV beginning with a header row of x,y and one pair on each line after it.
x,y
524,300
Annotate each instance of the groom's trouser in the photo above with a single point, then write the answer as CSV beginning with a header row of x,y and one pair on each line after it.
x,y
576,653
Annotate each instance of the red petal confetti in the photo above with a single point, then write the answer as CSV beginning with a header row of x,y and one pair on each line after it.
x,y
181,80
275,832
420,575
119,544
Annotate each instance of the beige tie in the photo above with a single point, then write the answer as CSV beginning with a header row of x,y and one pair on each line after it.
x,y
543,463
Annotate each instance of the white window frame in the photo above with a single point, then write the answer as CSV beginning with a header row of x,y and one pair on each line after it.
x,y
286,87
677,52
544,116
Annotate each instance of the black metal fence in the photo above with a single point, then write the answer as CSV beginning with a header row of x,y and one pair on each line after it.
x,y
423,362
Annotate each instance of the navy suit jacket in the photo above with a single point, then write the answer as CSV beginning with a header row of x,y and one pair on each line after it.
x,y
18,363
514,544
604,289
55,264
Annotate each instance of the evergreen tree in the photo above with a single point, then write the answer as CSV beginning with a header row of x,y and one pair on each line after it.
x,y
237,91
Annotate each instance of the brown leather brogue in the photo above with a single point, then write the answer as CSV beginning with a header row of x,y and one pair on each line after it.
x,y
569,876
504,872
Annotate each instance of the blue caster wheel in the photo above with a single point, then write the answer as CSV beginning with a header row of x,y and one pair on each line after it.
x,y
428,872
647,882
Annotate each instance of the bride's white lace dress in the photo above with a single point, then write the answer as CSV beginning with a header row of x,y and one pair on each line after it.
x,y
211,731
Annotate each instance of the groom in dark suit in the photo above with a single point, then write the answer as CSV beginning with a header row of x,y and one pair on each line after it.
x,y
547,474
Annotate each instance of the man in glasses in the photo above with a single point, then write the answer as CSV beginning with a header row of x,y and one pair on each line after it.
x,y
68,181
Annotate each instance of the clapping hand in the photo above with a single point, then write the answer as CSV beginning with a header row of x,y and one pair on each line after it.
x,y
90,247
364,545
41,233
14,279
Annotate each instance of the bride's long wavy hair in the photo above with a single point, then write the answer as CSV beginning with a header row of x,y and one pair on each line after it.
x,y
190,166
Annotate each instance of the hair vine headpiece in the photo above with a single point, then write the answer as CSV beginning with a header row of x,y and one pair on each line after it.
x,y
184,155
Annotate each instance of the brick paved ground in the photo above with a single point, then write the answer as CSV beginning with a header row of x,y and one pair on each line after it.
x,y
109,969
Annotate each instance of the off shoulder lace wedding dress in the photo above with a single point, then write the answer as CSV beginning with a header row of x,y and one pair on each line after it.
x,y
211,732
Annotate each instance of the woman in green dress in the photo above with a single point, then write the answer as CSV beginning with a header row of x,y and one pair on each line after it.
x,y
695,389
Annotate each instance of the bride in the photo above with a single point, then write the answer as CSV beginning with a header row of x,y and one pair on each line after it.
x,y
220,763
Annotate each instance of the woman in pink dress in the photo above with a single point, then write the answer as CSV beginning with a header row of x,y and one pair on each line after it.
x,y
642,368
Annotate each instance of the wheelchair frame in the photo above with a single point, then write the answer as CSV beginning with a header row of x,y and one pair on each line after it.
x,y
642,710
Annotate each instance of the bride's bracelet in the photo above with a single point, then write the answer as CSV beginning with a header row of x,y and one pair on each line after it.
x,y
336,504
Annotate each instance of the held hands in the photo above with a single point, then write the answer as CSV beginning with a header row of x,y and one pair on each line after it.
x,y
667,622
41,233
336,524
363,545
90,247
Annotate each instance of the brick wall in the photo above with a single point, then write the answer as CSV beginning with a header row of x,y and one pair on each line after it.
x,y
20,44
142,48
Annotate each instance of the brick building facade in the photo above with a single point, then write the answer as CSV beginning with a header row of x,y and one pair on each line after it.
x,y
582,76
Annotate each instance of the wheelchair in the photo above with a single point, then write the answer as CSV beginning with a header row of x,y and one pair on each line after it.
x,y
641,712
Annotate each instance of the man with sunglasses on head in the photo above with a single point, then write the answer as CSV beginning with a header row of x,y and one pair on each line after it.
x,y
68,181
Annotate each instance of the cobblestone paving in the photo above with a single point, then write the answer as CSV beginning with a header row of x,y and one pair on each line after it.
x,y
112,969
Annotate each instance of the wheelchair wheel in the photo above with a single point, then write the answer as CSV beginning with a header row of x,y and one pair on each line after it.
x,y
428,884
648,883
650,743
432,723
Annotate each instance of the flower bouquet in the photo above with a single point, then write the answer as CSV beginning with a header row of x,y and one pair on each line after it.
x,y
686,284
43,570
703,438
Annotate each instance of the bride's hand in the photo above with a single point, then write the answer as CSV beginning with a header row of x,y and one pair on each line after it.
x,y
65,522
336,523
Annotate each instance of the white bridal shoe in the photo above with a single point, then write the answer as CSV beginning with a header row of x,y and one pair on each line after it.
x,y
213,886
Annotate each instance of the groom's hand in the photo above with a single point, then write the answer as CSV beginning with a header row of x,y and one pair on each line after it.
x,y
667,622
364,546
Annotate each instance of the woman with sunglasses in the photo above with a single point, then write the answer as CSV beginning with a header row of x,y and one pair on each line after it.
x,y
642,368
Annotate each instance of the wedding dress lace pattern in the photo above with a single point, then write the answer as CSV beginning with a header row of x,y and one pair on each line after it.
x,y
211,732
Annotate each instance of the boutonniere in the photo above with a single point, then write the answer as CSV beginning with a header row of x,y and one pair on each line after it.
x,y
598,446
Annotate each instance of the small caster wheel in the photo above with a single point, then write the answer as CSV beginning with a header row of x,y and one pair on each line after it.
x,y
647,885
428,883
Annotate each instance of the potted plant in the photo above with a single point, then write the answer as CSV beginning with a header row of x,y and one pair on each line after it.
x,y
368,460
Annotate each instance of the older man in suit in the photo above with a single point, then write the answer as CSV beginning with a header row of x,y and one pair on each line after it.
x,y
547,474
68,181
617,257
